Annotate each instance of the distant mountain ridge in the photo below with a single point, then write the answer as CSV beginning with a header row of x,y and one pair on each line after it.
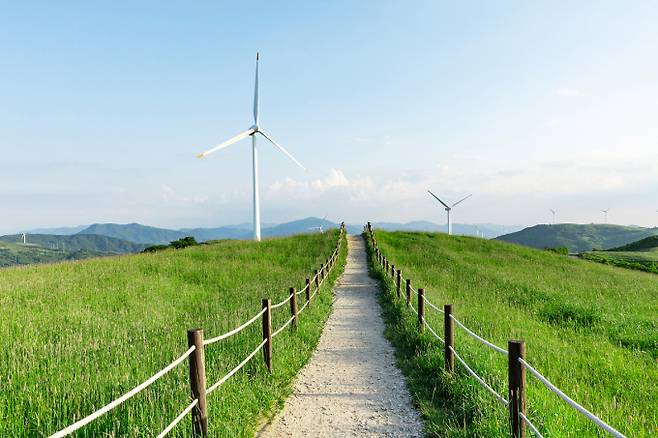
x,y
578,237
47,248
148,235
77,242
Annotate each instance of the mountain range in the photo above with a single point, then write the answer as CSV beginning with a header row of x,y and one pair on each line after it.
x,y
144,234
579,237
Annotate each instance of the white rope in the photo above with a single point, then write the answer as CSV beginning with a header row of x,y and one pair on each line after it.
x,y
479,379
235,330
563,396
530,425
303,290
178,419
413,308
432,331
137,389
484,341
283,326
236,369
303,307
276,306
432,305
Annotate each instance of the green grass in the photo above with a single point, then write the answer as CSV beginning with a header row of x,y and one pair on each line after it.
x,y
590,329
74,336
646,261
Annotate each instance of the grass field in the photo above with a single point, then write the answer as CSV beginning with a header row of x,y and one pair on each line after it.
x,y
590,329
639,260
74,336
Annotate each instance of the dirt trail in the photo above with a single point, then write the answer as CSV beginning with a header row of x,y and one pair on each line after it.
x,y
351,386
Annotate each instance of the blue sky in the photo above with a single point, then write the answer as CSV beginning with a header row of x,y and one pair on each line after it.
x,y
527,105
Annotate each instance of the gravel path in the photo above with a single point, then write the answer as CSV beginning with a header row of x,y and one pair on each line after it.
x,y
351,386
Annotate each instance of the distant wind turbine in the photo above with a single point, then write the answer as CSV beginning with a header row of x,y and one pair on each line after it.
x,y
320,227
449,208
251,132
554,213
605,215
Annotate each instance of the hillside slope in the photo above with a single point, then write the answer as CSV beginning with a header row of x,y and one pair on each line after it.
x,y
46,248
137,233
92,330
589,328
646,244
578,237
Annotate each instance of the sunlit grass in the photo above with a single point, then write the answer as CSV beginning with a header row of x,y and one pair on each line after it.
x,y
74,336
591,329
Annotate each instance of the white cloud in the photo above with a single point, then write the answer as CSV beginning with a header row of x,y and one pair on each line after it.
x,y
568,92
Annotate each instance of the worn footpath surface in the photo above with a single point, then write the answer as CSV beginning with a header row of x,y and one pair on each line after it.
x,y
351,386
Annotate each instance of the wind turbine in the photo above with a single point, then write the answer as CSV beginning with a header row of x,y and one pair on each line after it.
x,y
449,208
251,132
605,215
320,227
554,213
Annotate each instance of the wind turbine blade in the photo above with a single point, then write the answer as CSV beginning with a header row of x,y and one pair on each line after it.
x,y
228,142
462,200
282,149
437,198
256,92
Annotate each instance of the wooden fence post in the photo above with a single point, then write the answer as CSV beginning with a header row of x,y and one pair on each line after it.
x,y
421,309
326,267
399,277
322,271
267,333
293,306
392,270
386,265
317,279
408,292
449,338
198,383
516,393
308,290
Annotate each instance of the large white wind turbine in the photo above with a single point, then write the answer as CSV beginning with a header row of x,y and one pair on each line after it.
x,y
605,215
449,208
251,132
554,213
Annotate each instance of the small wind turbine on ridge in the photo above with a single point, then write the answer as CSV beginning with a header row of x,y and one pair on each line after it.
x,y
449,208
320,227
554,213
251,132
605,215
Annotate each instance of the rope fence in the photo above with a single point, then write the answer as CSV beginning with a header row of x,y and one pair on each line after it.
x,y
515,353
194,354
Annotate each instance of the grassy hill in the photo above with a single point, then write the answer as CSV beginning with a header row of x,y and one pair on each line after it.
x,y
75,336
646,244
44,248
641,255
591,329
135,233
578,237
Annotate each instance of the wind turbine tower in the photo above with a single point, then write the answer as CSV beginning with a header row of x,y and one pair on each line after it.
x,y
251,132
449,208
554,213
605,215
24,239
